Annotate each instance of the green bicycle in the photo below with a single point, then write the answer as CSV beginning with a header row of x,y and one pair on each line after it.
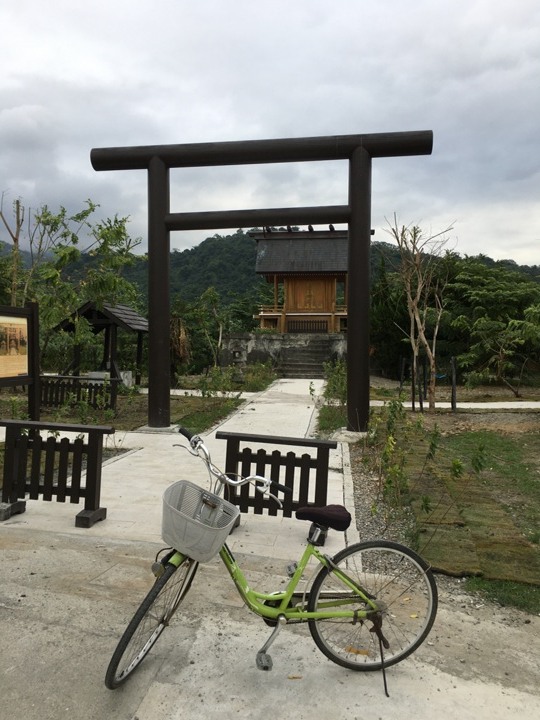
x,y
368,607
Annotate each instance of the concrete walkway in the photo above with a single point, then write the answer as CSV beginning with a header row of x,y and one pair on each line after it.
x,y
66,594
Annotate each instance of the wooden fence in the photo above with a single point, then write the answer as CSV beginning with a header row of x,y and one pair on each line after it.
x,y
53,467
58,390
306,474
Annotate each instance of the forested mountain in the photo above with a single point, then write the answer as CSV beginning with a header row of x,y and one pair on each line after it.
x,y
227,263
489,321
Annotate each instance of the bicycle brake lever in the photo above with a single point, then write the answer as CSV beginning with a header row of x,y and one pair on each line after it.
x,y
264,489
280,504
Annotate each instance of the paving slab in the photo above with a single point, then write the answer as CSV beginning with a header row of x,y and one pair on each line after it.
x,y
66,594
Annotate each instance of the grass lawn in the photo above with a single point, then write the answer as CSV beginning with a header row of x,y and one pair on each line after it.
x,y
473,483
195,413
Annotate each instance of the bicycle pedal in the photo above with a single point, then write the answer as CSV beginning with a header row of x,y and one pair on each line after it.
x,y
291,568
264,661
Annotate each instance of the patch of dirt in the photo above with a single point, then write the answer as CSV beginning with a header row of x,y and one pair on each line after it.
x,y
508,422
443,391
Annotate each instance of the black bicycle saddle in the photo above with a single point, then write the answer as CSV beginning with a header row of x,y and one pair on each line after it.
x,y
330,516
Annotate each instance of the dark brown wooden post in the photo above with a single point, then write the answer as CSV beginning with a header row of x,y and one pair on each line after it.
x,y
138,361
159,384
359,290
34,390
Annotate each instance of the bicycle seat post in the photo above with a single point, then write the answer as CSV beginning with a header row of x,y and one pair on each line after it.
x,y
317,535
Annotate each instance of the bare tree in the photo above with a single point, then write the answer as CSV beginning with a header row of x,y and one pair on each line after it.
x,y
14,233
424,279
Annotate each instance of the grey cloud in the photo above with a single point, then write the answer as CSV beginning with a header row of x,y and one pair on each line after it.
x,y
132,74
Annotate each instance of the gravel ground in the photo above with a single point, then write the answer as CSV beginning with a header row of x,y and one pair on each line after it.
x,y
374,519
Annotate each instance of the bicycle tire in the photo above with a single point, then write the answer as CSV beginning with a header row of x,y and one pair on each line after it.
x,y
393,575
149,621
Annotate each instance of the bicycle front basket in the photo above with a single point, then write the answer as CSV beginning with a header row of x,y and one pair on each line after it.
x,y
195,521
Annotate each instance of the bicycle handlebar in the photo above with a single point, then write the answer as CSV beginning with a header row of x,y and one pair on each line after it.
x,y
186,433
197,447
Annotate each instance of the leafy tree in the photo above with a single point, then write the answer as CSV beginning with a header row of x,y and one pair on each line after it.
x,y
494,352
495,310
56,278
388,317
211,319
45,234
111,252
495,292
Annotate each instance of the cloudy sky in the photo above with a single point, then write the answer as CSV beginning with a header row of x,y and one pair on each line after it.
x,y
76,76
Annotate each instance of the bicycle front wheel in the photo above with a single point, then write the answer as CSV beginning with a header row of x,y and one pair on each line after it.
x,y
149,621
403,588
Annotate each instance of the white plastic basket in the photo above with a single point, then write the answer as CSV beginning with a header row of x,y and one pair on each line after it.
x,y
195,521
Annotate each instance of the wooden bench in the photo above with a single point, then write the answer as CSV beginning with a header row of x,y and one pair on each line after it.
x,y
53,467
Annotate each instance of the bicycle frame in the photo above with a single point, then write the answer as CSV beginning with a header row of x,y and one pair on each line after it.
x,y
281,601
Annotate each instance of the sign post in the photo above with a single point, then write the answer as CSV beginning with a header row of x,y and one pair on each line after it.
x,y
19,352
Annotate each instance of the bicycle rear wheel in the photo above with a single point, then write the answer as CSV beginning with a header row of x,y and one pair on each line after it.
x,y
149,621
402,585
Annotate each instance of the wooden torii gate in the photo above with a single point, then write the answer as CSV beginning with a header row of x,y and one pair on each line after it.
x,y
159,159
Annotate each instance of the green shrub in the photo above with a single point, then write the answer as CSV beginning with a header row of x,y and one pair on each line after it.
x,y
335,388
258,377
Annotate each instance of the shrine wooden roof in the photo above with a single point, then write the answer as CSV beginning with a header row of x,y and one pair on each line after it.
x,y
322,252
122,316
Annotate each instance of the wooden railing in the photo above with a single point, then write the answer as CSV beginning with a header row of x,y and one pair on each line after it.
x,y
281,320
53,467
306,475
57,390
298,325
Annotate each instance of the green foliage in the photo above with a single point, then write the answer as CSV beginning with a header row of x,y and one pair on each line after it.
x,y
217,380
434,440
14,406
495,310
331,417
206,415
5,268
386,448
388,320
507,593
335,388
258,377
227,380
224,262
56,261
489,320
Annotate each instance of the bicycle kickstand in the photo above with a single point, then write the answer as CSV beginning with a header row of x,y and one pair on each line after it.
x,y
263,660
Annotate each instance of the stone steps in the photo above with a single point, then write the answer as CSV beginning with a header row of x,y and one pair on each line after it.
x,y
306,360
